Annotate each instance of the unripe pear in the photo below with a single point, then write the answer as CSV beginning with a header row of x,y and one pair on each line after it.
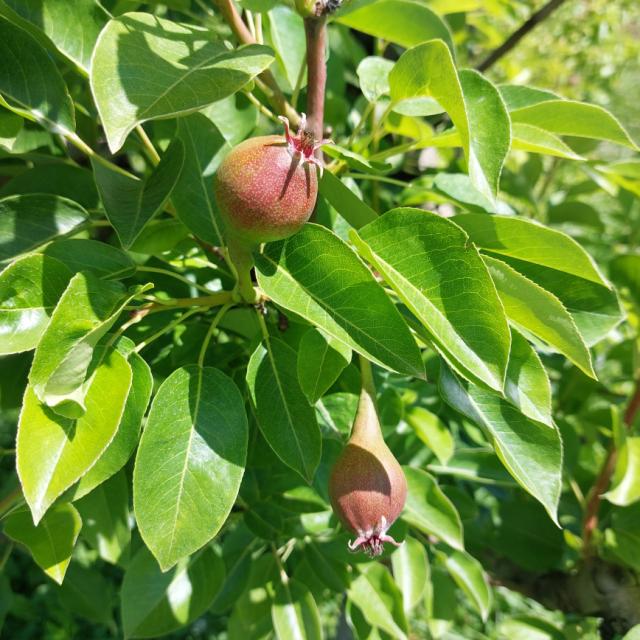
x,y
367,486
266,187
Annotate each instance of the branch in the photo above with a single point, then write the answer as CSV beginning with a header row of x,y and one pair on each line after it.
x,y
315,28
598,588
538,17
267,83
590,522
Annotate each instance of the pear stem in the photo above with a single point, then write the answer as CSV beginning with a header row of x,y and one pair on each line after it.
x,y
242,259
366,425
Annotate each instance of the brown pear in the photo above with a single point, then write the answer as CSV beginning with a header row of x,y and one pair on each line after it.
x,y
367,486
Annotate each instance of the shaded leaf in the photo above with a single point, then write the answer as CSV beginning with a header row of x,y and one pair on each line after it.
x,y
129,202
80,254
285,417
192,196
321,359
105,517
154,603
27,221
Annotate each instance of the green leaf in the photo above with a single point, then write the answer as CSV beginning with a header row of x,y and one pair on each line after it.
x,y
472,102
554,261
527,384
72,27
321,359
529,628
116,455
286,36
441,278
105,517
51,542
475,465
625,484
160,236
531,451
458,188
65,354
373,74
470,577
145,67
31,84
540,313
520,96
526,137
155,603
531,242
190,462
193,195
354,210
129,202
571,118
432,431
29,290
633,634
411,572
294,613
594,308
377,596
285,417
103,259
346,302
489,130
429,510
27,221
54,452
404,22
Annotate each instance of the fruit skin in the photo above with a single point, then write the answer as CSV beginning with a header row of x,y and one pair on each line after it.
x,y
367,486
266,188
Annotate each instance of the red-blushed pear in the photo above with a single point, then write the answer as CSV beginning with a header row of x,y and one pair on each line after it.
x,y
367,486
266,187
